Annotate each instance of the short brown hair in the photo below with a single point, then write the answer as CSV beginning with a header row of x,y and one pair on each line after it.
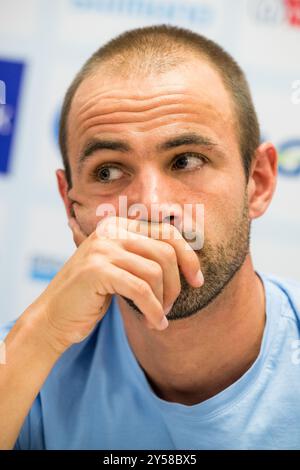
x,y
157,49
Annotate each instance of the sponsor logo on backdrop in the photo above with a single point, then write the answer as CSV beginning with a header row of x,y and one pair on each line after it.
x,y
275,12
11,74
195,12
289,157
44,268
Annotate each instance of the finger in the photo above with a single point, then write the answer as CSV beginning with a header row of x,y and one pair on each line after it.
x,y
187,259
119,281
165,256
78,235
142,267
163,273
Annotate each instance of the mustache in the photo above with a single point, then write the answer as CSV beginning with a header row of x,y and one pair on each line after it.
x,y
192,236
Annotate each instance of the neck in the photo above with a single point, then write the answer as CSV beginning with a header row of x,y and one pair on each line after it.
x,y
197,357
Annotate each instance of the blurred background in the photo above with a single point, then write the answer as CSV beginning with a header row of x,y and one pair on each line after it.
x,y
42,45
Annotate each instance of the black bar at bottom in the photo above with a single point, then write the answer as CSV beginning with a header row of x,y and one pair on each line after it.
x,y
136,458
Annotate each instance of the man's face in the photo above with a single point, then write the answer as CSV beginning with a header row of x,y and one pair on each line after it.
x,y
137,116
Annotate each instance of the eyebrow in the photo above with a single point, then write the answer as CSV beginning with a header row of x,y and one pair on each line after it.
x,y
101,144
190,138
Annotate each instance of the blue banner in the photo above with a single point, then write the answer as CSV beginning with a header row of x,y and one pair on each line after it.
x,y
11,74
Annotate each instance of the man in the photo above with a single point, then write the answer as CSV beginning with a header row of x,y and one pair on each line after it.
x,y
141,342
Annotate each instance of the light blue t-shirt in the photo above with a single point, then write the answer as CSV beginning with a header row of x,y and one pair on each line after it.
x,y
98,397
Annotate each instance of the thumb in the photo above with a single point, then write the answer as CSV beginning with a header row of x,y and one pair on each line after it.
x,y
78,235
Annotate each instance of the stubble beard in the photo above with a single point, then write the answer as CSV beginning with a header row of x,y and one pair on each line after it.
x,y
219,263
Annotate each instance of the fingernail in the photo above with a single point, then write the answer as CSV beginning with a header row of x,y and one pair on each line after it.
x,y
199,278
167,309
163,324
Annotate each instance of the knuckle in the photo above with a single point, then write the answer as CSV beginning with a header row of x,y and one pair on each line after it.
x,y
91,249
103,245
116,255
94,237
169,252
142,288
155,271
92,264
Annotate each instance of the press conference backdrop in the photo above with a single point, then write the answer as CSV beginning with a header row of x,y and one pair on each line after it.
x,y
42,45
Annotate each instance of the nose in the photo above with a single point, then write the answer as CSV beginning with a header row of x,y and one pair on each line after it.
x,y
156,198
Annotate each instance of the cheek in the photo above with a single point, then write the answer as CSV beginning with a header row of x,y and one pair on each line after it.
x,y
86,217
220,220
91,210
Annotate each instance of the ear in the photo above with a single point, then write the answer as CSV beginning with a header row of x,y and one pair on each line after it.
x,y
63,188
262,179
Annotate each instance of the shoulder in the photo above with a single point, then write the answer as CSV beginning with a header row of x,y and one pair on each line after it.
x,y
289,288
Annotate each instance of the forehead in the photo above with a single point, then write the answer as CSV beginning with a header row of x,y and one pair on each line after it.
x,y
190,95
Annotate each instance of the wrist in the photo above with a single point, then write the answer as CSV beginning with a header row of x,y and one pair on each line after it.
x,y
37,325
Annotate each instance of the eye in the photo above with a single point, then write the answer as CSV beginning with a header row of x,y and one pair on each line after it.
x,y
107,174
189,161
